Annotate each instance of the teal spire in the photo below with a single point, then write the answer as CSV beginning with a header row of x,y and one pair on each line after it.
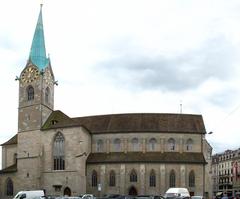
x,y
38,51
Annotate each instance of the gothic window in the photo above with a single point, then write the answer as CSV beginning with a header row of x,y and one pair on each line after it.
x,y
15,158
135,144
112,179
191,179
189,145
171,144
99,147
152,179
152,144
30,93
117,145
172,179
94,178
47,95
133,176
9,187
58,152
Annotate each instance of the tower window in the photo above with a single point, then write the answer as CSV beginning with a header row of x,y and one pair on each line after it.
x,y
47,95
15,158
30,93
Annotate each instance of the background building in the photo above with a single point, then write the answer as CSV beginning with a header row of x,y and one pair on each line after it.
x,y
140,153
226,177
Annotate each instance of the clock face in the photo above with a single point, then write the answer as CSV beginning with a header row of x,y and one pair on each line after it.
x,y
30,74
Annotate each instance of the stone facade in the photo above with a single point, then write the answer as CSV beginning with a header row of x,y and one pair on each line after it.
x,y
35,163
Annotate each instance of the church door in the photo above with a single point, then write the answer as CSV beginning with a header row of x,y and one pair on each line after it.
x,y
67,191
132,191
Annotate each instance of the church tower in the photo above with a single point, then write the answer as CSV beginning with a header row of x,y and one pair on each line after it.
x,y
36,84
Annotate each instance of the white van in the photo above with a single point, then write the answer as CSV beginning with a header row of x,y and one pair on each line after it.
x,y
177,193
29,194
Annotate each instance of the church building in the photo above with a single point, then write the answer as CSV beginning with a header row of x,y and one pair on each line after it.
x,y
128,154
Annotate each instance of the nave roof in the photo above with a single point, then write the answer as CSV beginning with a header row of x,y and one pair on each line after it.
x,y
130,122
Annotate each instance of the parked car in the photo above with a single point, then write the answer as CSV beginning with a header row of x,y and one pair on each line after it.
x,y
177,193
197,197
87,196
29,194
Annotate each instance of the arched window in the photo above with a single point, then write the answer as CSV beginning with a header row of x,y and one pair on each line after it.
x,y
30,93
191,179
133,176
171,144
152,179
99,147
152,144
135,144
189,145
117,145
58,152
94,178
47,95
172,179
15,158
112,179
9,187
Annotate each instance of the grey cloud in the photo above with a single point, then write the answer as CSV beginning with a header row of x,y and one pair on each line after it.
x,y
132,68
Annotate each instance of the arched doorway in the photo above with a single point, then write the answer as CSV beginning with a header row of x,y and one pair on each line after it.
x,y
67,191
132,191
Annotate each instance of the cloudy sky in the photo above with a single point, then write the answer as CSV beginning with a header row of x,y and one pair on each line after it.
x,y
122,56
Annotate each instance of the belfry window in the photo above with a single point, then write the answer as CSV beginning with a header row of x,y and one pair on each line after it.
x,y
30,93
58,152
47,95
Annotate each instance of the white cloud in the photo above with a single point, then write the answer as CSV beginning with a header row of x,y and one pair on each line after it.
x,y
106,56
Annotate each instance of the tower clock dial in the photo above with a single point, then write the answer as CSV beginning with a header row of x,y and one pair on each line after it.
x,y
30,74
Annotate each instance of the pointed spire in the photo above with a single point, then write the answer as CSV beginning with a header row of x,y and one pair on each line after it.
x,y
38,51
